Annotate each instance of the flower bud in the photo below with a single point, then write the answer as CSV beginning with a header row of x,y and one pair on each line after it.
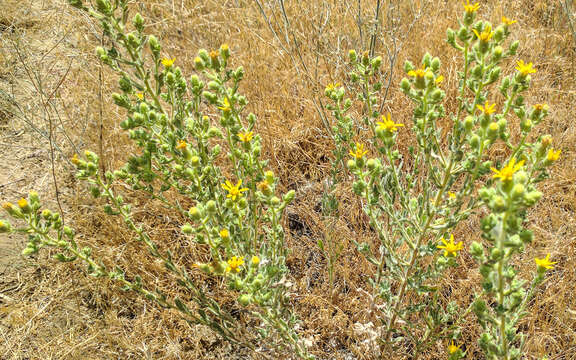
x,y
359,187
352,56
526,125
138,21
518,191
475,141
195,161
351,164
245,299
468,123
275,201
498,204
225,51
289,196
514,47
376,62
408,66
496,254
154,45
532,197
476,249
435,64
5,226
269,175
195,213
187,229
493,130
405,85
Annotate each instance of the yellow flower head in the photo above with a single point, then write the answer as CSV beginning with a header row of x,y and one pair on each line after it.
x,y
255,260
214,54
450,248
332,86
545,263
140,96
485,35
419,73
507,21
387,124
360,152
234,191
264,186
225,105
22,203
168,62
245,137
487,109
7,206
451,195
224,234
553,155
508,171
181,145
234,264
439,79
524,68
75,160
452,348
540,107
470,8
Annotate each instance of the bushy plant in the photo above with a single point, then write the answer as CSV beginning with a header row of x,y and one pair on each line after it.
x,y
416,197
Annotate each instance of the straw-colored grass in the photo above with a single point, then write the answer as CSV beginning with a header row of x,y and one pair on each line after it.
x,y
54,311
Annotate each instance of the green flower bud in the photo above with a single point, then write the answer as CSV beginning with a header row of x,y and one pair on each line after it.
x,y
476,249
359,187
138,21
475,141
496,254
275,201
532,197
371,164
269,175
5,226
408,66
497,53
376,62
242,203
352,56
351,164
405,85
225,51
518,191
526,125
468,123
289,196
498,204
195,213
435,64
68,231
187,229
493,130
245,299
463,34
154,45
514,47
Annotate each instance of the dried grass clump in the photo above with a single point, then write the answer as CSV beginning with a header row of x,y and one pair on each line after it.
x,y
58,312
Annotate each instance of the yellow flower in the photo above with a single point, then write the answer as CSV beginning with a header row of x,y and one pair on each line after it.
x,y
245,136
224,234
419,73
507,171
234,264
439,79
507,21
7,206
387,124
470,8
140,96
450,248
540,107
487,109
214,54
452,348
451,195
360,152
332,86
168,62
264,186
524,68
22,203
75,160
181,145
255,260
225,105
484,35
234,191
553,155
545,263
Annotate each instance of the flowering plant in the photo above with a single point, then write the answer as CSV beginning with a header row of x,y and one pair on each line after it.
x,y
416,197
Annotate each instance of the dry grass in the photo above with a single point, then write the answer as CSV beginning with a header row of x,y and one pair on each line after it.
x,y
57,312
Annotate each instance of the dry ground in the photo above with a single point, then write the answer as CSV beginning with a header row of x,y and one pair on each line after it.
x,y
50,86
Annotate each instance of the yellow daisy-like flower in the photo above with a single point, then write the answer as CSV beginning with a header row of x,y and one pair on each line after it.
x,y
419,73
140,96
181,145
485,35
234,264
75,159
22,203
224,234
507,21
387,124
246,137
452,348
450,248
168,62
553,155
332,86
487,108
360,152
225,105
545,263
234,191
439,79
507,171
470,8
255,260
451,195
7,206
524,68
539,107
